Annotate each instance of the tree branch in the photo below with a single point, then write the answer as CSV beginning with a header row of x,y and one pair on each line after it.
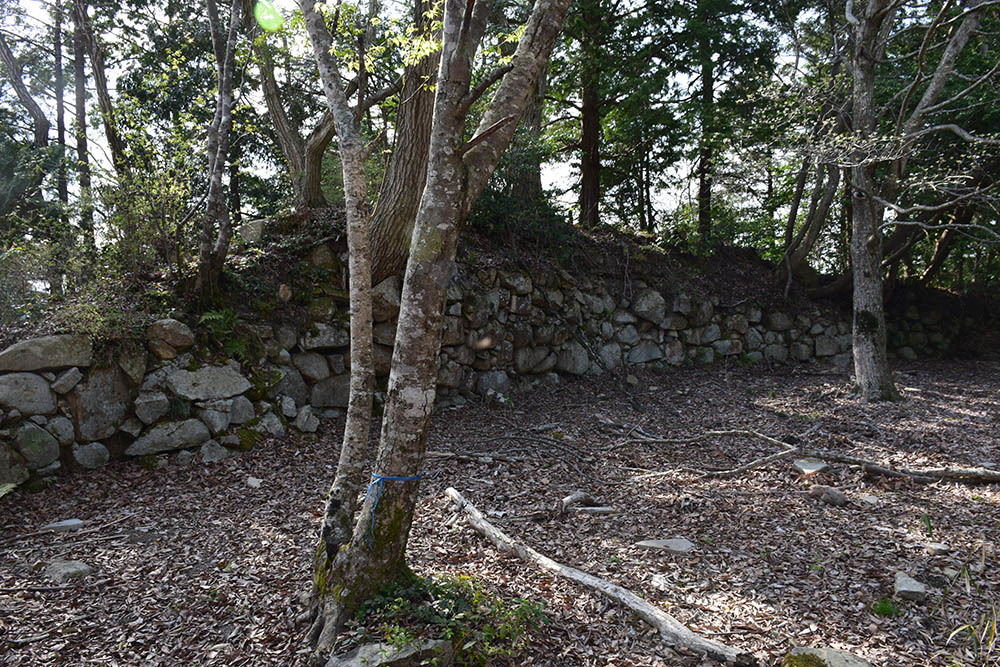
x,y
672,632
482,136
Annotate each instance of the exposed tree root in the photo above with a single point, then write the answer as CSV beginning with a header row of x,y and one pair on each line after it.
x,y
928,476
672,632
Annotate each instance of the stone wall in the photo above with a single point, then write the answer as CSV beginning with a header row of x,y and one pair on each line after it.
x,y
62,408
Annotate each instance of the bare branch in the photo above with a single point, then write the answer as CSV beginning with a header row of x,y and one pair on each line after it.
x,y
945,226
483,86
849,13
952,127
482,136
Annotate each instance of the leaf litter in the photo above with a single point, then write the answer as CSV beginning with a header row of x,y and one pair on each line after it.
x,y
193,566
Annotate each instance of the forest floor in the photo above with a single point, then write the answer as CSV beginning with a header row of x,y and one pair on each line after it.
x,y
194,566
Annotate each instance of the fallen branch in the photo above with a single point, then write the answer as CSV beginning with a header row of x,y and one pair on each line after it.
x,y
672,632
929,476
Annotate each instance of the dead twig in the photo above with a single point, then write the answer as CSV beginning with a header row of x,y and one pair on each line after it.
x,y
672,632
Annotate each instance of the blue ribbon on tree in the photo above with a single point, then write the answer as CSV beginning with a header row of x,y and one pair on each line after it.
x,y
378,482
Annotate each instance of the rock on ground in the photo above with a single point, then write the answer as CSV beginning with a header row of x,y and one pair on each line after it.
x,y
829,657
61,571
433,651
908,588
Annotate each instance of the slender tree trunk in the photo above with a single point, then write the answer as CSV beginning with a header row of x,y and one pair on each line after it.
x,y
590,150
528,179
62,240
871,366
942,249
96,52
216,228
82,151
341,502
706,143
41,124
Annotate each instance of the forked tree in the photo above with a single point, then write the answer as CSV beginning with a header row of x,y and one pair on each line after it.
x,y
355,558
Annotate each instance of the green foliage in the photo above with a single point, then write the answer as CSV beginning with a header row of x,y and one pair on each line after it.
x,y
481,627
886,608
20,302
981,638
926,520
225,328
805,660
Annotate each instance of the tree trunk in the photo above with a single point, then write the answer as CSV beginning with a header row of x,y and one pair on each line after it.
x,y
338,516
706,167
871,367
216,228
403,183
456,175
590,149
82,152
40,122
528,179
62,239
304,159
96,52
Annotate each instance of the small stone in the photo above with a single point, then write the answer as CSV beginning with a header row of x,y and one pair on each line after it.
x,y
271,423
212,451
241,410
810,466
216,421
306,422
61,571
67,381
908,588
91,455
869,499
937,548
150,406
185,457
288,407
231,440
431,651
828,495
132,426
176,334
253,482
64,526
677,545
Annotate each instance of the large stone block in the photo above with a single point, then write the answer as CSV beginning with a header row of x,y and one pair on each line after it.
x,y
36,445
27,393
574,359
171,435
386,299
332,392
650,305
45,353
325,337
644,352
208,383
174,333
312,365
12,468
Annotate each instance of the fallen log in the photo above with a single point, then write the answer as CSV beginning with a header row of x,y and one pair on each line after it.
x,y
672,632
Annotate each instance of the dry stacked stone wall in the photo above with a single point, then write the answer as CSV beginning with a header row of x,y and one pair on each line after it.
x,y
62,408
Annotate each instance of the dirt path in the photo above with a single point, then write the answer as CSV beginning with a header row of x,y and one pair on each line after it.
x,y
194,566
